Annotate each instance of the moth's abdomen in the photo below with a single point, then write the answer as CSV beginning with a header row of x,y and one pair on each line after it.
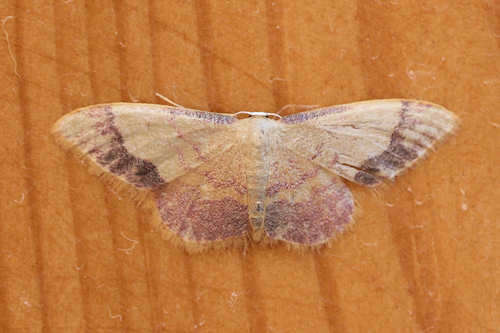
x,y
258,140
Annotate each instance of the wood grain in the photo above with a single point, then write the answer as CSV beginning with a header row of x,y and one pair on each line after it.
x,y
74,256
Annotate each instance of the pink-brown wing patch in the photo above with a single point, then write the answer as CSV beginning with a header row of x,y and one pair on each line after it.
x,y
305,204
209,203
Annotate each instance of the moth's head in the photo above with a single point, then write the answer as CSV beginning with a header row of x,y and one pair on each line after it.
x,y
248,114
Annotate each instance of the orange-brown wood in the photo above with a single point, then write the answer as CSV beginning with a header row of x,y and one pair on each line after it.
x,y
423,254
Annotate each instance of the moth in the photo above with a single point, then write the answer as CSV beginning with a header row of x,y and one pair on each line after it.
x,y
218,179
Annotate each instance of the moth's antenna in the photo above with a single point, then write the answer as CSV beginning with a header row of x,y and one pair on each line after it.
x,y
168,101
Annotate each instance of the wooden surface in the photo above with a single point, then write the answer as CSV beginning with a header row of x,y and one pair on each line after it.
x,y
423,255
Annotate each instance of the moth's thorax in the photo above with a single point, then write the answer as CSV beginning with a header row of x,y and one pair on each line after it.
x,y
258,126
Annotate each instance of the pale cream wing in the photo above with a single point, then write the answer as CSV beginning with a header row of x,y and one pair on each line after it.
x,y
370,141
145,145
